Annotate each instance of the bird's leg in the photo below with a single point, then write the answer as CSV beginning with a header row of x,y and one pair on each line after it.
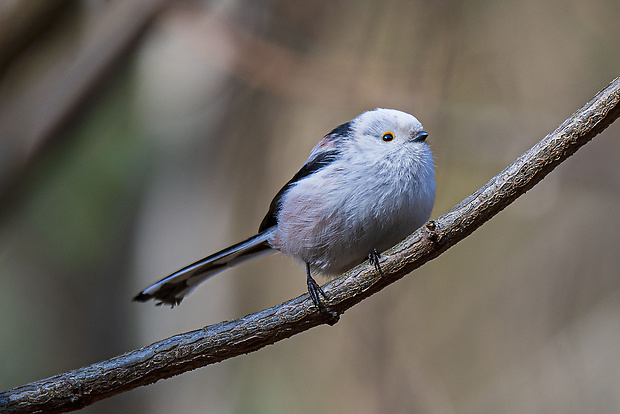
x,y
315,292
374,257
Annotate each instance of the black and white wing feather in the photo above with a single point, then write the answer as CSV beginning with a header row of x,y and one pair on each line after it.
x,y
172,289
323,154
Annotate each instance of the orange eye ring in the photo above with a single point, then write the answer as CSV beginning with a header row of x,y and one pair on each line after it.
x,y
388,136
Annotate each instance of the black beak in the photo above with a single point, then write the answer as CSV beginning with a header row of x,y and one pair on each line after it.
x,y
420,136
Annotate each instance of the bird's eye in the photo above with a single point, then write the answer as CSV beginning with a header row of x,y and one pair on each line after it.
x,y
388,136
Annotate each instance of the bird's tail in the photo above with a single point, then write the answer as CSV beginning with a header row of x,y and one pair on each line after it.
x,y
172,289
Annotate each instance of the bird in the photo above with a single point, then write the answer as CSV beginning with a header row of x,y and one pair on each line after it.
x,y
366,185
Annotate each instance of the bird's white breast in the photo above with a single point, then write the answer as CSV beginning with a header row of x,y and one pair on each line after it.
x,y
336,217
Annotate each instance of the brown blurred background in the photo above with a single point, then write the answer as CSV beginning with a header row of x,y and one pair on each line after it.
x,y
139,136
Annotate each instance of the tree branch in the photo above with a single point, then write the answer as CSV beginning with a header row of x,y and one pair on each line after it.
x,y
81,387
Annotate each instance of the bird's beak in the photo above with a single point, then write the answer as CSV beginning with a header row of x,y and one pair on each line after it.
x,y
420,136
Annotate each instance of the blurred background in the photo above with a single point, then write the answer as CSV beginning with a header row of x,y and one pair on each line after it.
x,y
139,136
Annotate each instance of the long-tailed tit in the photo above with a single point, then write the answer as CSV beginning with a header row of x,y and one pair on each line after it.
x,y
366,185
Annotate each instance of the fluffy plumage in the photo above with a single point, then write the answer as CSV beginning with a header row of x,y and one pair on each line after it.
x,y
365,186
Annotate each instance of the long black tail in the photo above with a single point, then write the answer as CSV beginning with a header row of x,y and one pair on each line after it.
x,y
172,289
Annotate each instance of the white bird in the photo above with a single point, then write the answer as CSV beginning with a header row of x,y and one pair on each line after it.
x,y
366,185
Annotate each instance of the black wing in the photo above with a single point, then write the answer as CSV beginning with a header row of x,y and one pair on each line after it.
x,y
319,162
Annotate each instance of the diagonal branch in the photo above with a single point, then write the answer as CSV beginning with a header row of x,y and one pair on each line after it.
x,y
81,387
